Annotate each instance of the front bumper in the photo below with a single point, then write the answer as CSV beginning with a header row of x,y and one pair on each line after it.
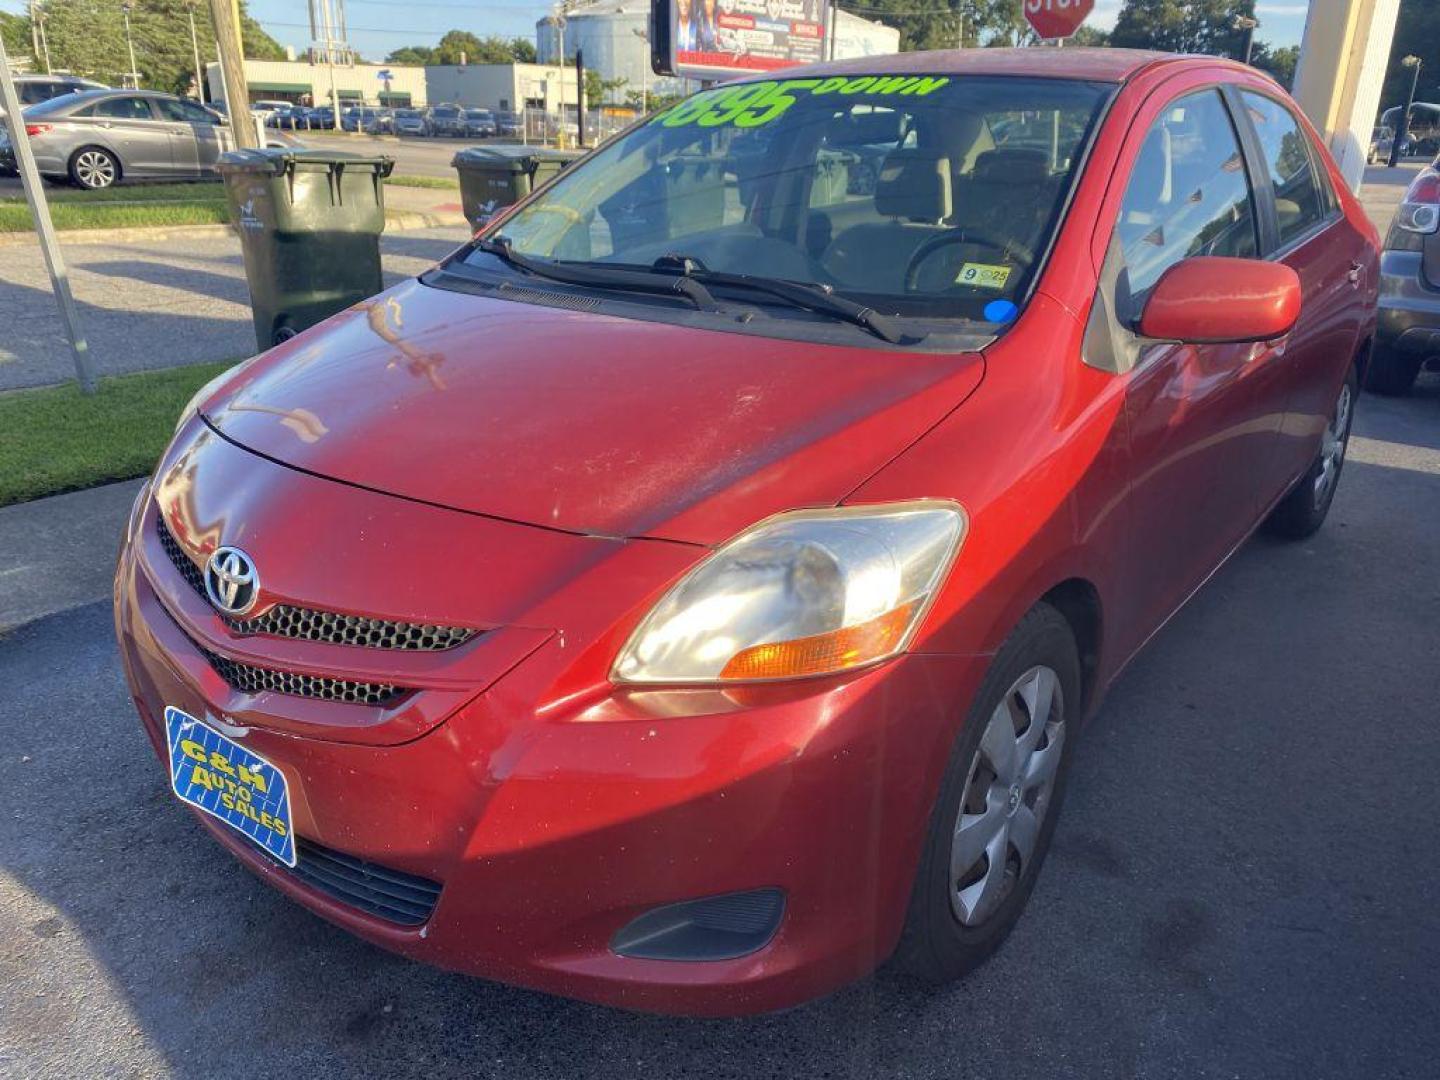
x,y
1408,315
552,820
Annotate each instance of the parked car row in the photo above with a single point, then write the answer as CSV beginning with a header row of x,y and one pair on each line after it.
x,y
438,120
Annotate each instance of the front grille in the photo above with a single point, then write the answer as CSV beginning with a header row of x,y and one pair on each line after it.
x,y
249,679
312,624
392,895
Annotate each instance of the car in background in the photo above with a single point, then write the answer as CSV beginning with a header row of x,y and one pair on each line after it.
x,y
707,666
1422,133
34,89
508,123
479,124
411,122
266,109
446,120
1407,338
320,119
290,118
97,138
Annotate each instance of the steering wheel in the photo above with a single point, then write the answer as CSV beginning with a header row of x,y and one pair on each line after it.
x,y
966,234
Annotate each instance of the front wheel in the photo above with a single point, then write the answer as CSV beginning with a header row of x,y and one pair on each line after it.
x,y
998,803
94,169
1303,511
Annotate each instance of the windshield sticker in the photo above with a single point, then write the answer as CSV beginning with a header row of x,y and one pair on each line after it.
x,y
983,275
753,104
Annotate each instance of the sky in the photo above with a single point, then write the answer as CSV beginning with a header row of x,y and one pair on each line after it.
x,y
380,26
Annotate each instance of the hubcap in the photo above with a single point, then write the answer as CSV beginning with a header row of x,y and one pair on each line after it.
x,y
95,170
1007,795
1332,448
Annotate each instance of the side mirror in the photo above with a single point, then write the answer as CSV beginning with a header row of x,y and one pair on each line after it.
x,y
1210,299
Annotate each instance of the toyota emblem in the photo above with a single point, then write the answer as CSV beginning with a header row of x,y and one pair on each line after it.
x,y
231,581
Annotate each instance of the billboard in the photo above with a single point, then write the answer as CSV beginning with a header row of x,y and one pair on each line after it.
x,y
719,39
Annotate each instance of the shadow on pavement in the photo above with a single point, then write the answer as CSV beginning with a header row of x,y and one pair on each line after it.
x,y
1243,880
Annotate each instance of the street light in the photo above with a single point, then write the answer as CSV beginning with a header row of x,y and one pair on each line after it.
x,y
130,45
1403,128
1246,23
644,36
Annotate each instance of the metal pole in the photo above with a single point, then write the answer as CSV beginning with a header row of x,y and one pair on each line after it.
x,y
195,48
44,45
35,30
130,45
1403,128
44,227
1249,43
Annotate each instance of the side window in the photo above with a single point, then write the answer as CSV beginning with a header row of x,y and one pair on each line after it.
x,y
123,108
1300,201
32,93
1189,194
182,111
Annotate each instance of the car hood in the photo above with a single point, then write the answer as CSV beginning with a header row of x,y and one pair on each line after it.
x,y
580,421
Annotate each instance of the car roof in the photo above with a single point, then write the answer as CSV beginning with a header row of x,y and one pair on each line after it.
x,y
1096,65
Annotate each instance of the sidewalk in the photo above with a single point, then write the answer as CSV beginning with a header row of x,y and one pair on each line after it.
x,y
158,302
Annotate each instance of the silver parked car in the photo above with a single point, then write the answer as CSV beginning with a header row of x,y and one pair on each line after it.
x,y
98,137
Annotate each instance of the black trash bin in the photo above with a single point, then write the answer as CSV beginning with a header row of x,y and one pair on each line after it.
x,y
494,177
310,224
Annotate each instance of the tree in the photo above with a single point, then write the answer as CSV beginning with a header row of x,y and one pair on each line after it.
x,y
599,91
946,24
15,29
88,38
1089,35
1278,63
412,54
523,50
1187,26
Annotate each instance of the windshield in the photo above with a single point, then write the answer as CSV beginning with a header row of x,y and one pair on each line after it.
x,y
922,195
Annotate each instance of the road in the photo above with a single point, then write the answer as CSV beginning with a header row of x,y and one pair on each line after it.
x,y
1243,882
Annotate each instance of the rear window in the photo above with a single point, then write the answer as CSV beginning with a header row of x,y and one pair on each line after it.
x,y
933,196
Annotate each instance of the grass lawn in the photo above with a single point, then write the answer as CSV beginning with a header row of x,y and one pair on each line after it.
x,y
449,183
122,207
56,439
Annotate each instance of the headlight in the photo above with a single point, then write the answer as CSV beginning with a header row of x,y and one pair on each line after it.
x,y
805,593
193,405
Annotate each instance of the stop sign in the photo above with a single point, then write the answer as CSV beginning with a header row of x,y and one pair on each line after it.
x,y
1057,18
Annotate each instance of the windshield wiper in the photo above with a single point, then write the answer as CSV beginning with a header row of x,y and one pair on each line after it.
x,y
817,298
600,277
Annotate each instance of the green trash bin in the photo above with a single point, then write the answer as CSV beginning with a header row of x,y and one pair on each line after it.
x,y
310,224
494,177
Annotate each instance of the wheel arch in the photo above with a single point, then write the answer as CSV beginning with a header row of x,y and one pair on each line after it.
x,y
1078,601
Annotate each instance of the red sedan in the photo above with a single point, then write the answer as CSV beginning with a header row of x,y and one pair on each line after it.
x,y
688,595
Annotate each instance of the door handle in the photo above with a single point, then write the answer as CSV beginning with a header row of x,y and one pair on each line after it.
x,y
1354,274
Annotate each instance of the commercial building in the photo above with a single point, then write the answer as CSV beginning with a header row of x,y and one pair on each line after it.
x,y
507,87
305,83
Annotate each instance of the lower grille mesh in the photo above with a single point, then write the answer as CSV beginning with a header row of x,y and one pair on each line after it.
x,y
393,895
249,679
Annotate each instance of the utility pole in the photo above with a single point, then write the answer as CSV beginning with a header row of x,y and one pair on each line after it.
x,y
1246,23
44,227
644,36
232,71
130,45
1403,128
195,48
35,30
44,45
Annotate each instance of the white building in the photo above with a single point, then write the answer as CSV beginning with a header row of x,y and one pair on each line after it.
x,y
303,82
507,87
613,36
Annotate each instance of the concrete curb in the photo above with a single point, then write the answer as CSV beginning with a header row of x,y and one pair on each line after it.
x,y
395,221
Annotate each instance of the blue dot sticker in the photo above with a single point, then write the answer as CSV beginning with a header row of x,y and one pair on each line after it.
x,y
1001,311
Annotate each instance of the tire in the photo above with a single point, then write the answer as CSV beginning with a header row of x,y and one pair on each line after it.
x,y
1391,373
1304,509
956,919
94,168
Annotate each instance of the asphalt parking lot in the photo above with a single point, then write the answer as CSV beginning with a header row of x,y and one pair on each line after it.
x,y
1243,883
